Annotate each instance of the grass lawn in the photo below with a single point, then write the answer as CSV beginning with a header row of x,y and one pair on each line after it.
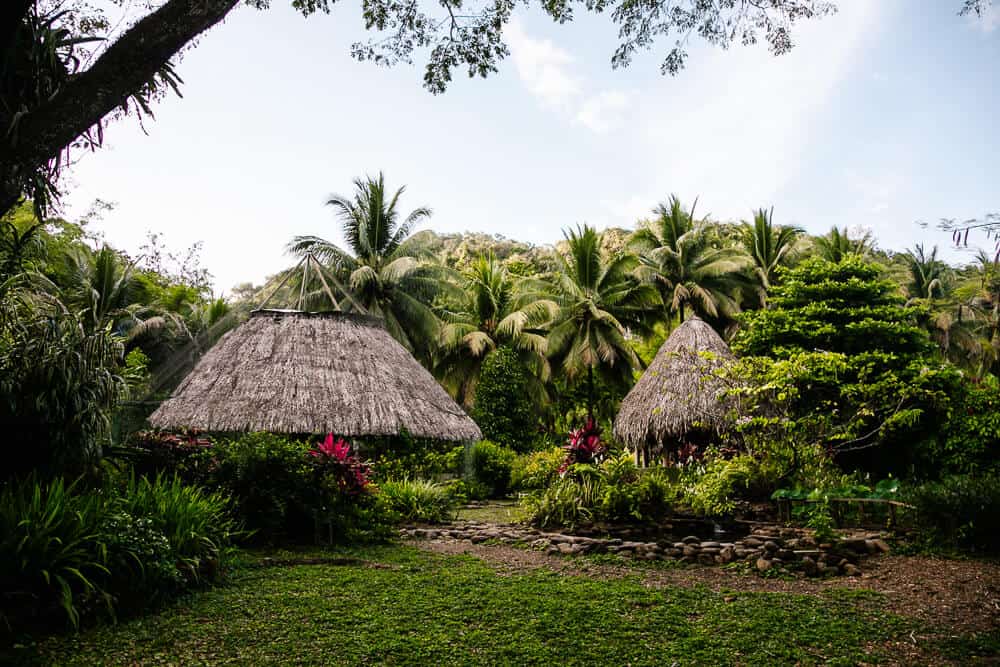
x,y
400,605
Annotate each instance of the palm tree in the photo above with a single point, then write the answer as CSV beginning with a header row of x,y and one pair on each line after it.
x,y
837,244
768,246
107,292
491,312
693,269
927,277
382,267
599,300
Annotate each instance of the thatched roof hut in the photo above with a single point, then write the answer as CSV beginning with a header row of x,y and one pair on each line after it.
x,y
677,398
296,372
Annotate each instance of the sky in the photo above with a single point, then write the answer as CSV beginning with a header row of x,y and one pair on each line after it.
x,y
884,115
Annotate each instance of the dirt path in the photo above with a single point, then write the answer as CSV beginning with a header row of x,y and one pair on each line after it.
x,y
957,597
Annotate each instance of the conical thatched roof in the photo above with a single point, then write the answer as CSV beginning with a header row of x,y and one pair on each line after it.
x,y
295,372
677,392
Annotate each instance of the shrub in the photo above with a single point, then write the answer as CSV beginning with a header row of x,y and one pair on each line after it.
x,y
404,456
196,523
491,466
59,383
464,490
567,503
960,512
418,500
50,551
537,470
74,552
503,409
616,491
271,482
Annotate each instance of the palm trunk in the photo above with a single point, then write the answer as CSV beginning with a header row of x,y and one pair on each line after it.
x,y
590,392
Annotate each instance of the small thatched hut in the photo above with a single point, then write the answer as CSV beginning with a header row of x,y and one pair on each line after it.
x,y
296,372
677,401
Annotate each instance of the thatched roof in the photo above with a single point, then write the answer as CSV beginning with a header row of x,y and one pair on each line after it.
x,y
295,372
677,392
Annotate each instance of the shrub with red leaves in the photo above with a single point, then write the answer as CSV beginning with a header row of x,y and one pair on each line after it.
x,y
584,446
335,462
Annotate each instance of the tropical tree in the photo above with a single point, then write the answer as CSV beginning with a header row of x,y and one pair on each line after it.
x,y
927,277
838,244
599,302
384,270
492,312
106,291
769,246
690,265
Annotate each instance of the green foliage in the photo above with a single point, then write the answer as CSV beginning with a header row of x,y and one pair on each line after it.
x,y
76,552
841,364
270,480
491,466
406,606
969,441
503,408
58,385
418,500
616,491
537,470
959,512
723,481
403,456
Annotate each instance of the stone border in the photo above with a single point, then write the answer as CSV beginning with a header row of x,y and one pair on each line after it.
x,y
767,548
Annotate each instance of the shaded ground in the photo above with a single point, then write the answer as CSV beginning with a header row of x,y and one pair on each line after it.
x,y
960,596
459,604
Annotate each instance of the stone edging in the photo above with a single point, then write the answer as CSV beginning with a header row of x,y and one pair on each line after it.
x,y
766,548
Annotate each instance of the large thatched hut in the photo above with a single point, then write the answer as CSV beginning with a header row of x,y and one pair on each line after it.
x,y
296,372
677,401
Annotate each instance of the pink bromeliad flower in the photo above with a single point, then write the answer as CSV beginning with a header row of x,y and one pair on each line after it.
x,y
339,449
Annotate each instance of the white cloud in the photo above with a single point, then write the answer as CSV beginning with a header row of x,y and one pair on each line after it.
x,y
603,111
734,128
543,67
547,71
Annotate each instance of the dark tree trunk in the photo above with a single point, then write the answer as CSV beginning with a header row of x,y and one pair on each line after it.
x,y
120,72
12,13
590,392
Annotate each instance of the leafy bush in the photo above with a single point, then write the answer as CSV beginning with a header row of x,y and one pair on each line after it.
x,y
464,490
567,503
959,512
402,456
73,552
715,489
418,500
503,409
59,383
537,470
616,492
969,441
491,466
197,524
271,482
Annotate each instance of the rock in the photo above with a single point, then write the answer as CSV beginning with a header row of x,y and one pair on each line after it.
x,y
739,553
691,539
673,553
711,545
690,551
706,559
752,542
478,538
851,570
809,566
552,551
807,542
679,545
567,549
763,565
821,567
855,545
771,546
786,554
882,545
727,555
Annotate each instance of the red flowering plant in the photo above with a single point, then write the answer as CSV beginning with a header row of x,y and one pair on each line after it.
x,y
584,446
340,468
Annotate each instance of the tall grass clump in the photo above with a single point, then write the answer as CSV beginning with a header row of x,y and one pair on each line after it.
x,y
418,500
